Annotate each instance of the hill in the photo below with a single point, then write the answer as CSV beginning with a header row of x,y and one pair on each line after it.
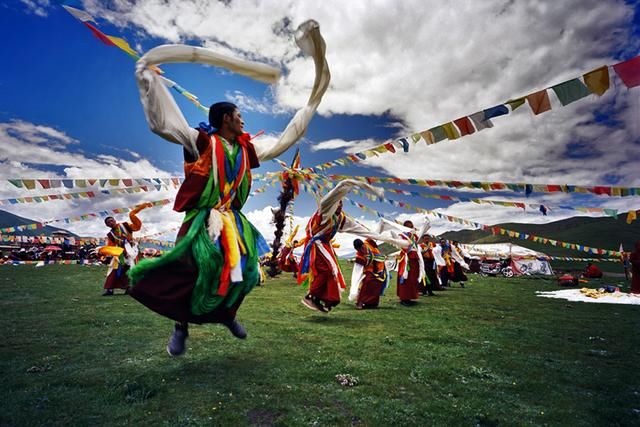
x,y
8,219
605,233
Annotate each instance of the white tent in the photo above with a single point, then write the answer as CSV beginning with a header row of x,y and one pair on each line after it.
x,y
523,260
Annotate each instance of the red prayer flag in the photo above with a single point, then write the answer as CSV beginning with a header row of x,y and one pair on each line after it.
x,y
554,188
629,71
602,190
45,183
389,146
465,126
127,182
100,35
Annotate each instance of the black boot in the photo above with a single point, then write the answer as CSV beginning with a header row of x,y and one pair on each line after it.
x,y
177,341
236,328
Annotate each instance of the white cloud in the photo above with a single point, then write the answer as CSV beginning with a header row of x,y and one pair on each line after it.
x,y
248,103
349,146
31,150
37,7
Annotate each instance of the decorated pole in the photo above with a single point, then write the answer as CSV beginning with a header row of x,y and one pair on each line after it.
x,y
288,193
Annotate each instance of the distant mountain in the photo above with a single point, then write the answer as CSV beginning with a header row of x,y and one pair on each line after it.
x,y
8,219
603,232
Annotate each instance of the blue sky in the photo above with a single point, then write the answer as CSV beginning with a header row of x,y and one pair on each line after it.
x,y
395,70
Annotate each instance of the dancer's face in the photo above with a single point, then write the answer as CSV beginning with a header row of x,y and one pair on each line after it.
x,y
235,123
110,222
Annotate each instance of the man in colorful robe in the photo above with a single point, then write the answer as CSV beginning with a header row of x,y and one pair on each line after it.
x,y
370,277
410,263
430,282
214,264
319,265
122,249
287,261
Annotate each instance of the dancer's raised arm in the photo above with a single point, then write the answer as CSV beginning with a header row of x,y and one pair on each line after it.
x,y
329,203
311,43
163,114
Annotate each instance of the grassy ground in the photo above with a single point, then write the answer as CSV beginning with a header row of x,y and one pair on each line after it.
x,y
490,354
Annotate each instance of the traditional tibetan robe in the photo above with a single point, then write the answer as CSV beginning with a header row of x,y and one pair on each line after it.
x,y
215,262
410,269
319,264
458,265
374,274
430,268
287,260
122,237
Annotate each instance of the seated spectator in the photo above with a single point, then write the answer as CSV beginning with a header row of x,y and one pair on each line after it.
x,y
592,272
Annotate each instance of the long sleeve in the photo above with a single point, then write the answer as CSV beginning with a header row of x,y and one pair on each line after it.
x,y
135,224
329,203
162,112
310,41
352,226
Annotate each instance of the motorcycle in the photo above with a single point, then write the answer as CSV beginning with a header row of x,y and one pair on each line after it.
x,y
493,268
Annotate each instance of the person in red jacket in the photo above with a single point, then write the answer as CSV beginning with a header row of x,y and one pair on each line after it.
x,y
592,272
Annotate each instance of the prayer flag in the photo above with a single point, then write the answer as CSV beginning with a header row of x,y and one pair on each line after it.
x,y
598,80
543,209
539,102
631,216
498,110
629,71
450,131
29,184
464,125
428,137
570,91
480,122
438,133
80,15
100,35
515,103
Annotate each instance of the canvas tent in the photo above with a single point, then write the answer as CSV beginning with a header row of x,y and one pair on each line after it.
x,y
523,260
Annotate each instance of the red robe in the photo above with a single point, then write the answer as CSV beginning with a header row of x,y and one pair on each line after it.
x,y
319,263
375,274
593,272
409,259
287,261
117,277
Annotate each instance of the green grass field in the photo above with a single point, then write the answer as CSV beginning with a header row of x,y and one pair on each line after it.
x,y
490,354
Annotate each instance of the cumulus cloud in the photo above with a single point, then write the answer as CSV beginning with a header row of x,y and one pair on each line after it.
x,y
424,64
37,7
349,146
31,150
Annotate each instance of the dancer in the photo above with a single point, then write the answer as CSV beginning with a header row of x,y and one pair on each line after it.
x,y
287,260
122,249
430,281
370,277
319,265
458,264
214,264
410,262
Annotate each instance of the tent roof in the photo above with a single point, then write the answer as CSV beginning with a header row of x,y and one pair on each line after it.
x,y
501,250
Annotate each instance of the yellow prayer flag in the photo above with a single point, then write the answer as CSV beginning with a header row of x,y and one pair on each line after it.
x,y
597,80
122,44
631,216
451,131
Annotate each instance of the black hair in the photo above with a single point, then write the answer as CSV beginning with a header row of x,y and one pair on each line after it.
x,y
408,224
105,220
357,244
217,112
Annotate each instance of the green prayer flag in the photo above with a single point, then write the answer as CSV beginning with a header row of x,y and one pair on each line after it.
x,y
571,91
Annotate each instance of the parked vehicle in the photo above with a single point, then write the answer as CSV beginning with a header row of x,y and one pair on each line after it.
x,y
493,268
